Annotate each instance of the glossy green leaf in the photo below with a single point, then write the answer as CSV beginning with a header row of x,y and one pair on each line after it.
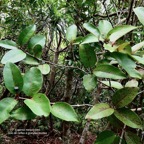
x,y
109,47
92,29
108,71
139,11
87,55
71,33
6,106
119,31
8,44
64,111
31,60
124,96
12,78
113,84
32,81
26,34
132,83
90,38
89,82
45,69
37,51
138,46
129,118
105,137
39,104
99,111
104,27
127,63
13,56
132,138
23,113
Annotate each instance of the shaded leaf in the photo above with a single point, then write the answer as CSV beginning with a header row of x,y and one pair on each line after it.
x,y
129,118
6,106
31,60
87,55
71,33
105,137
32,81
139,11
26,34
89,82
23,113
99,111
45,69
124,96
8,44
13,56
119,31
64,111
12,78
39,104
113,84
108,71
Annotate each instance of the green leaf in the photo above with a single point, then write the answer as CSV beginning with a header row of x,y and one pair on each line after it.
x,y
124,96
87,55
113,84
104,27
90,38
13,56
89,82
108,71
45,69
26,34
12,78
119,31
129,118
32,81
39,104
138,59
132,138
139,11
6,106
92,29
127,63
136,47
31,60
23,113
71,33
8,44
37,51
99,111
132,83
105,137
64,111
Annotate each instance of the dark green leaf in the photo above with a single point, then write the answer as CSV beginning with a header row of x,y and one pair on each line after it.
x,y
129,118
32,81
124,96
12,78
64,111
99,111
39,104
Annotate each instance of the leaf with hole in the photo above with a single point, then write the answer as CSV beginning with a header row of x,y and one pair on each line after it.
x,y
108,71
39,104
12,78
23,113
87,55
89,82
32,81
99,111
6,106
124,96
64,111
129,118
71,33
26,34
8,44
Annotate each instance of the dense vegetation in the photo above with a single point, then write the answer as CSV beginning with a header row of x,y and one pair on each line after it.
x,y
72,70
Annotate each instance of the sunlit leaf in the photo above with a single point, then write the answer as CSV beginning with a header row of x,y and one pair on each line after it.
x,y
45,69
113,84
132,83
8,44
139,11
138,46
31,60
